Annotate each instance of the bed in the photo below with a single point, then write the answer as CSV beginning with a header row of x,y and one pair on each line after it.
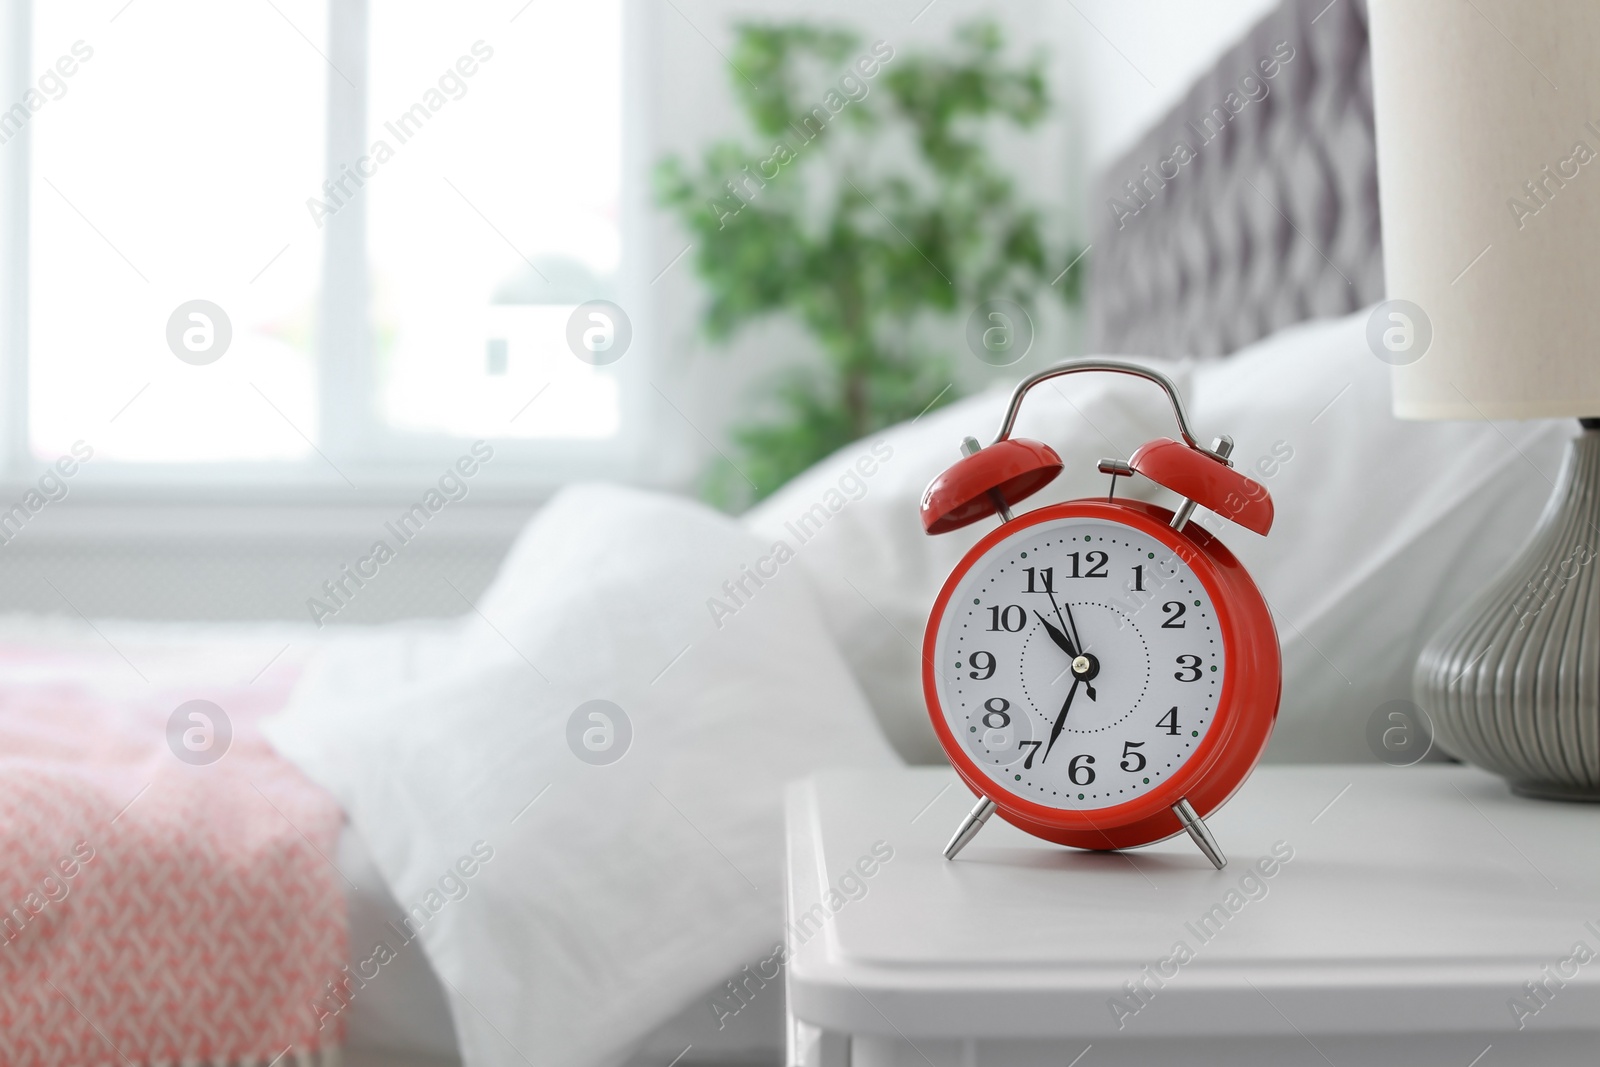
x,y
447,788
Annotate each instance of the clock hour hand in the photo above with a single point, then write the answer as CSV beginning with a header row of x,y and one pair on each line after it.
x,y
1064,643
1061,719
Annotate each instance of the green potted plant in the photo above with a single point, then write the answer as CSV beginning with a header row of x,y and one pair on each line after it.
x,y
865,202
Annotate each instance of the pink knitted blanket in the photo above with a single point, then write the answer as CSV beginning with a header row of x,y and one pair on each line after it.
x,y
160,904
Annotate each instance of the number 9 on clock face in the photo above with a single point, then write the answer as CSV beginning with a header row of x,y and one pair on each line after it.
x,y
1078,664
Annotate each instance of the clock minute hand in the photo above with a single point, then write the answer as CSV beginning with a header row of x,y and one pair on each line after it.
x,y
1061,719
1076,638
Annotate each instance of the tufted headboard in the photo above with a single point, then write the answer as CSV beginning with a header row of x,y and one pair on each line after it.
x,y
1253,204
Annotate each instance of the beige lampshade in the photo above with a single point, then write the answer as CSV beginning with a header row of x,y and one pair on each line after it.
x,y
1488,130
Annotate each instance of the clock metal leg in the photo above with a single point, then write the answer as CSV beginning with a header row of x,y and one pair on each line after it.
x,y
1198,830
969,827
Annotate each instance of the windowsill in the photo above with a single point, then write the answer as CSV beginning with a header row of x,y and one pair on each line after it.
x,y
251,553
109,506
84,523
202,493
500,482
109,515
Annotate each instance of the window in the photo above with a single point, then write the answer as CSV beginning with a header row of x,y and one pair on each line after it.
x,y
501,216
388,214
163,168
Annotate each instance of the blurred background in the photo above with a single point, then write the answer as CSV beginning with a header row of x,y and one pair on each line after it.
x,y
292,291
278,265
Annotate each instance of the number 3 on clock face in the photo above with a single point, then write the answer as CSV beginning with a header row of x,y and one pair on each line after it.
x,y
1078,664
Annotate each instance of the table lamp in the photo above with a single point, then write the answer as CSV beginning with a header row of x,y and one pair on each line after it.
x,y
1488,139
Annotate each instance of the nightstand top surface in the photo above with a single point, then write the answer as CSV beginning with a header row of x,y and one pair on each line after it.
x,y
1430,886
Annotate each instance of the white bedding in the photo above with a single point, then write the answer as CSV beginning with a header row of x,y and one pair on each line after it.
x,y
404,1020
404,1016
594,903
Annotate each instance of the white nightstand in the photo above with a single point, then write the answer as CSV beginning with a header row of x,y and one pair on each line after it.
x,y
1406,913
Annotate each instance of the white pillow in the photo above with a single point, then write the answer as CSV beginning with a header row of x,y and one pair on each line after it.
x,y
877,573
1383,527
612,892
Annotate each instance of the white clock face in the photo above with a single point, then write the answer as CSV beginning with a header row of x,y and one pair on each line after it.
x,y
1079,663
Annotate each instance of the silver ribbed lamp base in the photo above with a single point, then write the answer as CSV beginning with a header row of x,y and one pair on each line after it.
x,y
1512,683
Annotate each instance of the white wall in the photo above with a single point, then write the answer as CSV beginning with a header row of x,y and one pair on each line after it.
x,y
1140,58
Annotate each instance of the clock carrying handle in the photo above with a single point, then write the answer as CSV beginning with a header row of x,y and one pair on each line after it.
x,y
1112,366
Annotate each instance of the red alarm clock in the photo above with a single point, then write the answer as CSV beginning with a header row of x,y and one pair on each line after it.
x,y
1101,672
